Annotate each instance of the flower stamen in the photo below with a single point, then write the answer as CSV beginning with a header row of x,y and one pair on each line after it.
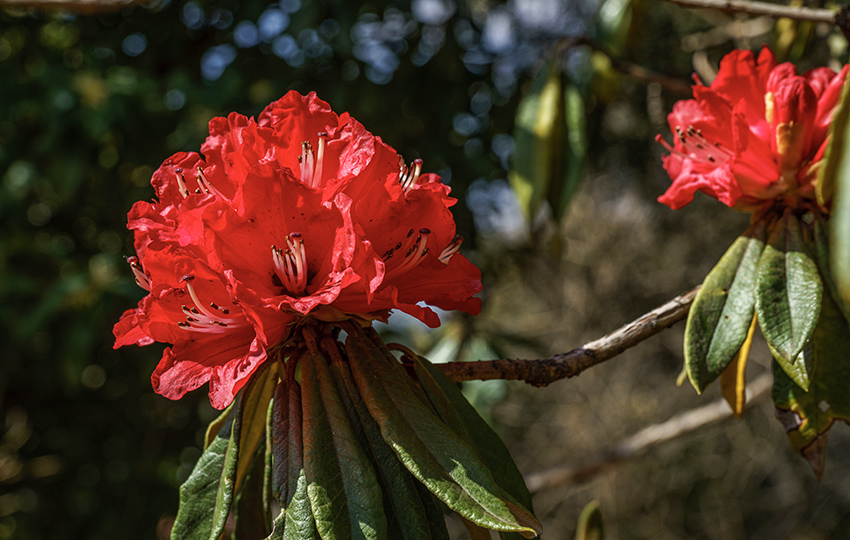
x,y
201,319
181,182
414,255
206,185
451,249
697,147
409,175
290,266
142,279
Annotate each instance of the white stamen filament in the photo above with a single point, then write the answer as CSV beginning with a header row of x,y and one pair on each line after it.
x,y
697,147
206,185
320,156
142,279
201,319
306,161
451,249
291,265
414,254
408,176
181,182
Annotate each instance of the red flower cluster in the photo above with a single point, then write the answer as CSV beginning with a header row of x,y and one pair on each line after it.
x,y
757,133
300,212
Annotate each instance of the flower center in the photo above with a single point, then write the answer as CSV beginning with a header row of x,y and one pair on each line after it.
x,y
290,266
697,147
311,166
142,279
408,175
414,248
199,318
204,185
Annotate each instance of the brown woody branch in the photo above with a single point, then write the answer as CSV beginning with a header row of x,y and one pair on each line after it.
x,y
542,372
840,17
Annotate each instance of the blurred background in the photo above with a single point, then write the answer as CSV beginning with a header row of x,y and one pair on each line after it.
x,y
91,104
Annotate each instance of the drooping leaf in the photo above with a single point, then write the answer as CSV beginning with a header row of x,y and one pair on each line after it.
x,y
251,518
590,526
821,248
441,460
216,425
551,142
723,310
196,516
207,495
464,420
299,521
399,486
808,415
733,381
255,406
341,483
287,443
572,152
788,293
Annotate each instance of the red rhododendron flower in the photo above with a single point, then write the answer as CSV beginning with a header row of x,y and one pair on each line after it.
x,y
756,134
299,213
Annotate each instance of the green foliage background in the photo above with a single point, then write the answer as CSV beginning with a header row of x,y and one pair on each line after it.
x,y
89,451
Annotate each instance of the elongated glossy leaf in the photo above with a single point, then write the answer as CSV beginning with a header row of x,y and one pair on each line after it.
x,y
539,124
821,248
254,411
464,420
196,515
722,311
433,512
788,292
287,443
808,415
835,165
252,520
207,495
342,486
216,425
590,526
299,523
406,506
568,160
427,447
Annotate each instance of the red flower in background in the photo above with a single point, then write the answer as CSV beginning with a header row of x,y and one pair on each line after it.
x,y
301,212
757,133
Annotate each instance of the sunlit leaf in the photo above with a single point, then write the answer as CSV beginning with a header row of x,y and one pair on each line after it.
x,y
590,526
788,294
723,310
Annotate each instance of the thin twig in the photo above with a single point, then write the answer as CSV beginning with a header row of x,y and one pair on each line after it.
x,y
542,372
646,438
764,8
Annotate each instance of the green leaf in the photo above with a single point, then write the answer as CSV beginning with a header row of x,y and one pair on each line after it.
x,y
590,525
788,292
344,492
808,415
196,517
821,249
723,310
287,444
255,405
206,496
441,460
539,123
464,420
834,168
299,521
405,505
433,512
252,521
568,160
